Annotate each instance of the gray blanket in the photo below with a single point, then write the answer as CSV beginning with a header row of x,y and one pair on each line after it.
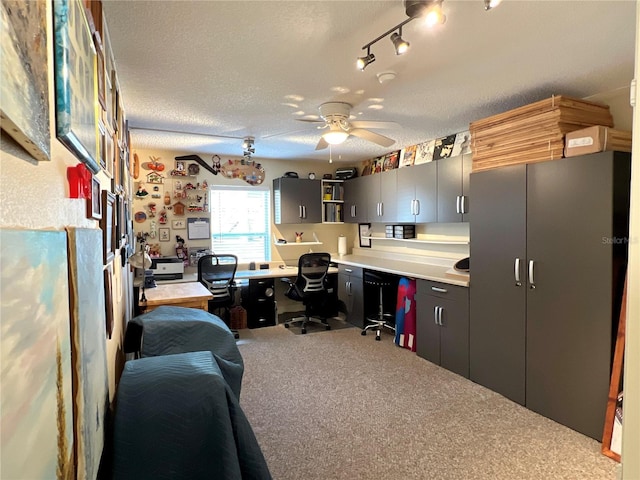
x,y
169,330
176,418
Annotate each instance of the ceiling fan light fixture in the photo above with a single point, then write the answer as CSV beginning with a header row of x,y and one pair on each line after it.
x,y
335,136
401,46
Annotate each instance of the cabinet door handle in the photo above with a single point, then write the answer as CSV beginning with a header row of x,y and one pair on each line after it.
x,y
532,283
304,211
417,212
439,289
463,204
353,211
348,270
435,315
516,272
299,211
440,316
458,204
381,209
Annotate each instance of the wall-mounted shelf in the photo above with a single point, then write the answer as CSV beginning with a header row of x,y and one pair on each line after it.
x,y
420,240
332,201
295,244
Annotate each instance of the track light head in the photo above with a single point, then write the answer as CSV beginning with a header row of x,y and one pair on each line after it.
x,y
399,44
362,62
491,4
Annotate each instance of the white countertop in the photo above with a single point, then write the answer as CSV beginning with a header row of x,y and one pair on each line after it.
x,y
426,271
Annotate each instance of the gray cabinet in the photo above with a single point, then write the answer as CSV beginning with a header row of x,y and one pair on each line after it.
x,y
453,189
381,194
351,294
442,325
417,193
297,200
355,200
546,275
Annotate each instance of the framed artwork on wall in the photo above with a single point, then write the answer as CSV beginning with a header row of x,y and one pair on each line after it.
x,y
94,202
164,234
179,224
24,88
74,73
364,234
107,223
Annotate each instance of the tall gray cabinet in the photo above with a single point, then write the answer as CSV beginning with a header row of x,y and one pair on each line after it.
x,y
297,200
548,256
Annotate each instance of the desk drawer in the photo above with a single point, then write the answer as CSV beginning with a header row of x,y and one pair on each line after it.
x,y
442,290
349,270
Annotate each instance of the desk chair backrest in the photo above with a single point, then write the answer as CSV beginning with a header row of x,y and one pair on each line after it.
x,y
312,273
216,272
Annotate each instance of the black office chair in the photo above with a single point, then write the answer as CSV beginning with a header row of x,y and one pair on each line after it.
x,y
310,288
216,272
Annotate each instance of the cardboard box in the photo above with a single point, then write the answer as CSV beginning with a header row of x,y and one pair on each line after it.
x,y
596,139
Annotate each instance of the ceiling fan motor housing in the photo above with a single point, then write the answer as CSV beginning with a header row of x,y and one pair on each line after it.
x,y
332,111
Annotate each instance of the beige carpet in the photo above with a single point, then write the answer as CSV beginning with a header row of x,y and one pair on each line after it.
x,y
336,405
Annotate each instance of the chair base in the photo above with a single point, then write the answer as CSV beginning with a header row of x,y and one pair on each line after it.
x,y
378,324
307,319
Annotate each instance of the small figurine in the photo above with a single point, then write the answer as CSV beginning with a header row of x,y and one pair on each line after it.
x,y
299,237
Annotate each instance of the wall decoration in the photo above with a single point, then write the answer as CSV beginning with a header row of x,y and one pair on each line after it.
x,y
79,178
247,170
462,144
198,228
94,202
154,177
103,145
443,147
164,234
76,96
24,87
107,224
87,306
35,345
109,152
100,69
108,299
178,224
407,156
140,217
424,152
364,231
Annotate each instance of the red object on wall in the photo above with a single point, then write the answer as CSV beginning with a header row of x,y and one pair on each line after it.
x,y
79,178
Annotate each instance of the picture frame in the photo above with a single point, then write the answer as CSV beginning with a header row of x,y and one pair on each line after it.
x,y
363,234
24,76
108,299
100,70
103,146
94,202
107,223
164,234
75,82
179,224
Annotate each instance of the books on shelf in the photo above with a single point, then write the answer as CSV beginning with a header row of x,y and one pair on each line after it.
x,y
333,212
333,192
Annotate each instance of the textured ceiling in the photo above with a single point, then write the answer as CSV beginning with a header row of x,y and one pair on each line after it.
x,y
230,69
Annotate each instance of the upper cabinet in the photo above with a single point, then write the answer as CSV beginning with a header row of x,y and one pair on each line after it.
x,y
417,193
381,193
296,200
355,200
453,189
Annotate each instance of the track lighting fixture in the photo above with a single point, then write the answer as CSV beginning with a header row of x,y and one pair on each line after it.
x,y
247,147
399,44
430,10
362,62
490,4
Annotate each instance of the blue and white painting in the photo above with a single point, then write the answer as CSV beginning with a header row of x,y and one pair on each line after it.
x,y
89,340
36,409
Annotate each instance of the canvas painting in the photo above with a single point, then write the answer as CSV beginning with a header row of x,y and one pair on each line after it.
x,y
24,90
87,306
76,82
424,152
36,399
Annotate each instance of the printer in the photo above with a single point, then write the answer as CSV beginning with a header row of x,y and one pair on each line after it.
x,y
167,268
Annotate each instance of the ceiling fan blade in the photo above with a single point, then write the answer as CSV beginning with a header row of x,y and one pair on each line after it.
x,y
372,137
309,120
322,144
373,124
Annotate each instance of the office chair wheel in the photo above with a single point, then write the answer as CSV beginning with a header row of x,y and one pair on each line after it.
x,y
303,331
327,327
363,333
286,325
378,338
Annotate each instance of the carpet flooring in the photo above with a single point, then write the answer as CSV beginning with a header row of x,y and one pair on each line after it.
x,y
338,405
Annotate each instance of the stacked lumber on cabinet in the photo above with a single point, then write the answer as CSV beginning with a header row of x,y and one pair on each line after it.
x,y
532,133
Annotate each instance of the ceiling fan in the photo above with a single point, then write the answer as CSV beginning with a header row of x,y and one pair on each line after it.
x,y
335,116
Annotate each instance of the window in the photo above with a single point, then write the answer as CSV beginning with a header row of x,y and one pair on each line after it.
x,y
240,222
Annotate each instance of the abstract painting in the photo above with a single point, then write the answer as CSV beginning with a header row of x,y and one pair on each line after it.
x,y
76,82
24,90
87,306
36,399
